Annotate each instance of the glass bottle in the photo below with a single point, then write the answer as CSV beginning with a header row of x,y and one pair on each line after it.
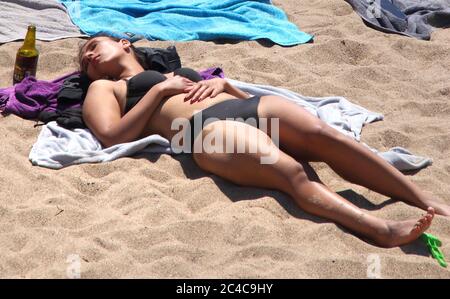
x,y
27,57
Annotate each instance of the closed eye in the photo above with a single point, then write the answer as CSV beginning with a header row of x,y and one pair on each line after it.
x,y
84,61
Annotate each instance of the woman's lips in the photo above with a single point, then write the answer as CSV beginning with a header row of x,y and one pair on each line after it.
x,y
96,59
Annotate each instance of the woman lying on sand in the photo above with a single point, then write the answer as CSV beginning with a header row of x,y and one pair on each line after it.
x,y
125,103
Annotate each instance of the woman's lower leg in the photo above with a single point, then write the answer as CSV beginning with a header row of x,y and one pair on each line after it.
x,y
317,199
304,136
359,165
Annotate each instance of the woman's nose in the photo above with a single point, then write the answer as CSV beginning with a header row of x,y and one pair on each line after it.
x,y
89,56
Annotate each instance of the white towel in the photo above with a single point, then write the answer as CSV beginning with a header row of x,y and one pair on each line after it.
x,y
57,147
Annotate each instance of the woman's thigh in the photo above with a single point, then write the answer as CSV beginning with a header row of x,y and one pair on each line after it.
x,y
298,130
246,156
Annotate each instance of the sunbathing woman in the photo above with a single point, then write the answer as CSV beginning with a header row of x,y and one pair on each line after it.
x,y
125,103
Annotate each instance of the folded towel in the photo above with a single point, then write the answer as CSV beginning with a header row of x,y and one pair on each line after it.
x,y
404,160
187,20
415,18
31,96
57,147
50,17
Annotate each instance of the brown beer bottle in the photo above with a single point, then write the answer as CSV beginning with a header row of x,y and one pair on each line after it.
x,y
27,57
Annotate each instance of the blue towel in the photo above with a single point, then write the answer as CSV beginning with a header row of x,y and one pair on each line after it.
x,y
185,20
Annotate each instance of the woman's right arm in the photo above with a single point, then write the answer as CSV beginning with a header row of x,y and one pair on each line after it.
x,y
101,111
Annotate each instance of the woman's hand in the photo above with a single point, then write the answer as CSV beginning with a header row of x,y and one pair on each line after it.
x,y
206,88
176,85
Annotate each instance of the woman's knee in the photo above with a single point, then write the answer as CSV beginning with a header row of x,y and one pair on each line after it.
x,y
296,175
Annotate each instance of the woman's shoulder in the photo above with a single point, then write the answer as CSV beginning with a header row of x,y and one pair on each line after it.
x,y
101,88
102,83
105,87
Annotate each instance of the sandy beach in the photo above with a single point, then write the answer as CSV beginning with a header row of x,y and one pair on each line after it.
x,y
160,216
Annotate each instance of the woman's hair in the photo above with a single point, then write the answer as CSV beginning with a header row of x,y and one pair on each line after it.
x,y
138,57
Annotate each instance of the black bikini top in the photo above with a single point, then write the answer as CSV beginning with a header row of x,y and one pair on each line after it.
x,y
138,85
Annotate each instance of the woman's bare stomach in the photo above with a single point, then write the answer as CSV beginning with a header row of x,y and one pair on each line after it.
x,y
175,107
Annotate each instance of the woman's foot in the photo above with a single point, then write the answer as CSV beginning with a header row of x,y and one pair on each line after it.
x,y
440,207
403,232
427,199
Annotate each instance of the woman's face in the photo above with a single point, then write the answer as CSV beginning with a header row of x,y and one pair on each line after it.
x,y
100,55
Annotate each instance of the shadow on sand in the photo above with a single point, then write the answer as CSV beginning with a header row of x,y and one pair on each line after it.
x,y
238,193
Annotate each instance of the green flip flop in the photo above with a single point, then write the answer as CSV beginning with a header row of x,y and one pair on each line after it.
x,y
433,244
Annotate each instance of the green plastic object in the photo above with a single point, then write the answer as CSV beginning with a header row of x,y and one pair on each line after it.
x,y
433,244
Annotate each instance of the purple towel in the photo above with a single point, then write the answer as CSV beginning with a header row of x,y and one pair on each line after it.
x,y
212,72
31,96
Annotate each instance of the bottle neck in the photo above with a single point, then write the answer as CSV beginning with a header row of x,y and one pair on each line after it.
x,y
30,38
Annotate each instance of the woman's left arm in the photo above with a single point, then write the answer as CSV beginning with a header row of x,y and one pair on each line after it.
x,y
211,88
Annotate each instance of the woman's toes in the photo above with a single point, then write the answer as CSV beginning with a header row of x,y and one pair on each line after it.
x,y
418,226
407,231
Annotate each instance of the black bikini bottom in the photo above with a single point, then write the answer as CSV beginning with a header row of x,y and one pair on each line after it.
x,y
234,109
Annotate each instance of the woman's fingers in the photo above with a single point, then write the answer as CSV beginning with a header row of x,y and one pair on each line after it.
x,y
215,92
206,93
211,92
199,92
194,89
